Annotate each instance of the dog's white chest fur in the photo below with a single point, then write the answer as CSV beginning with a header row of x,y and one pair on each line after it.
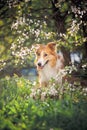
x,y
49,72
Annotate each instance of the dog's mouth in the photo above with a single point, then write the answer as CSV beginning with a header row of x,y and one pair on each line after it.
x,y
42,66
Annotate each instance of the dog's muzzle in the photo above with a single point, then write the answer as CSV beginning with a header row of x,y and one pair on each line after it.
x,y
42,66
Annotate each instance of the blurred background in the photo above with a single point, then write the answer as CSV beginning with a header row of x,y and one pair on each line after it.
x,y
24,23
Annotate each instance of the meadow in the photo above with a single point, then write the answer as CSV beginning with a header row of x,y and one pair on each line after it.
x,y
25,107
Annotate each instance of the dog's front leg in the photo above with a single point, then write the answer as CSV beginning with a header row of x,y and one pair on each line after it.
x,y
43,84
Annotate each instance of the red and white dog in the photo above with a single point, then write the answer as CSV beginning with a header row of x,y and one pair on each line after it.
x,y
48,62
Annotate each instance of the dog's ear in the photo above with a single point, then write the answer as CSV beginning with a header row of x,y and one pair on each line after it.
x,y
52,46
35,47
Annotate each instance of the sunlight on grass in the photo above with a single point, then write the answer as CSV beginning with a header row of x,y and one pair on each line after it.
x,y
20,111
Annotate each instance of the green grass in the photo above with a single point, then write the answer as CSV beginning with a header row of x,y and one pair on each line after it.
x,y
20,111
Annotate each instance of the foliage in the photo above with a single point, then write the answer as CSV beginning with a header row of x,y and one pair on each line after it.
x,y
24,23
21,30
27,22
20,111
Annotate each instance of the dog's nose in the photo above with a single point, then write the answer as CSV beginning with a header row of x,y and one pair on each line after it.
x,y
39,64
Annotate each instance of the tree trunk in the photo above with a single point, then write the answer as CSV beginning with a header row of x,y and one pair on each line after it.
x,y
60,28
59,20
66,55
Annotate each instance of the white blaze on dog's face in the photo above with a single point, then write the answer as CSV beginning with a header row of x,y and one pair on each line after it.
x,y
46,54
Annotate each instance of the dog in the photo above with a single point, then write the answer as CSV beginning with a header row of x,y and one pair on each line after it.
x,y
48,62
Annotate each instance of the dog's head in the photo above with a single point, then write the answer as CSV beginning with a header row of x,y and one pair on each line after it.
x,y
46,54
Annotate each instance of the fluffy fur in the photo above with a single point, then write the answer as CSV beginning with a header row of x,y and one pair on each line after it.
x,y
48,62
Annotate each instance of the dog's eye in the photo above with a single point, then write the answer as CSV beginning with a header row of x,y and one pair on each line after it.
x,y
38,54
45,54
